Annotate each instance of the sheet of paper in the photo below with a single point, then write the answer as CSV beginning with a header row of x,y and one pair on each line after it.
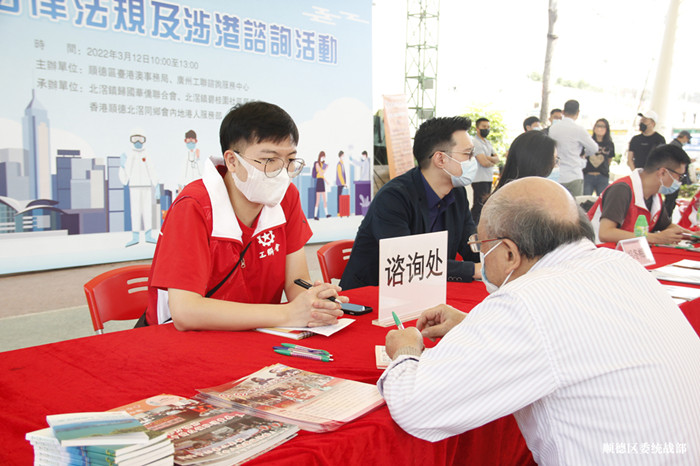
x,y
687,263
684,293
380,354
326,330
678,274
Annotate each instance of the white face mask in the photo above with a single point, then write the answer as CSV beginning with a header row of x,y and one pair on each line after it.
x,y
490,287
258,187
469,168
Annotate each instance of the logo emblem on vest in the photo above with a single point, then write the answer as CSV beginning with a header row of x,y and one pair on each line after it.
x,y
269,247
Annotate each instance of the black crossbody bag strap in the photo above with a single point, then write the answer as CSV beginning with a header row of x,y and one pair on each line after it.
x,y
142,321
240,259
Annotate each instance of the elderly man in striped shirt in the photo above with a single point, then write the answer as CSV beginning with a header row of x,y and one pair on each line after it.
x,y
581,344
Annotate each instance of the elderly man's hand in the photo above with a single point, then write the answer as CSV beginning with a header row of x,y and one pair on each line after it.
x,y
437,321
397,339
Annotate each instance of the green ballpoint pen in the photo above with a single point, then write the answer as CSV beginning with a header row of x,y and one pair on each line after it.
x,y
304,348
397,321
303,354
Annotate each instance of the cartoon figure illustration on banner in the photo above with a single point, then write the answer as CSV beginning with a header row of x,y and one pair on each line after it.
x,y
363,164
318,173
363,188
192,163
136,172
341,182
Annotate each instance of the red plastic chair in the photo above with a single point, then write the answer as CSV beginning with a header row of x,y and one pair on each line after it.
x,y
119,294
333,257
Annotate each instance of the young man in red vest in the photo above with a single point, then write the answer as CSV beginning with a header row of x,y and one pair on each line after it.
x,y
234,240
617,209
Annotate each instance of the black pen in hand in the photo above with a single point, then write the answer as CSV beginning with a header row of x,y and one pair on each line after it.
x,y
348,308
304,284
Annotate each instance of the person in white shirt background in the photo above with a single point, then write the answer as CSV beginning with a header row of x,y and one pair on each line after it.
x,y
581,344
572,142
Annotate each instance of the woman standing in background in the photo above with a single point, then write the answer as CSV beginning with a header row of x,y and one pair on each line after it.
x,y
596,174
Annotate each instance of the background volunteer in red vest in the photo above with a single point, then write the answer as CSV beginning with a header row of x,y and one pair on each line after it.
x,y
617,209
234,241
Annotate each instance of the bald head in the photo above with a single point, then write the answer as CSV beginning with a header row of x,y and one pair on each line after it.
x,y
548,194
537,214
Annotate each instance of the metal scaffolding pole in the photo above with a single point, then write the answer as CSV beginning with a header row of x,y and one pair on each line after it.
x,y
420,84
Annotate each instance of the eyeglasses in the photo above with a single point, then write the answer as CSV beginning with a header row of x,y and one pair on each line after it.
x,y
475,243
681,176
273,166
469,153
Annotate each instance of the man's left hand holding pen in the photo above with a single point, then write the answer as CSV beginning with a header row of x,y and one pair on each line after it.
x,y
321,299
404,340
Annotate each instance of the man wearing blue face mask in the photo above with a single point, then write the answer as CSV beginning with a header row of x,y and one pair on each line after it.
x,y
428,198
615,212
581,344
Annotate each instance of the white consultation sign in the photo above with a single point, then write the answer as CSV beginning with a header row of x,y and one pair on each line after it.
x,y
638,248
412,275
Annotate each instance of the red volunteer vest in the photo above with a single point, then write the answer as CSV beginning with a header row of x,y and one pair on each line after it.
x,y
633,212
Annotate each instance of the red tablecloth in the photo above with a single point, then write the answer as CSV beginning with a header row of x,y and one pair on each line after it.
x,y
669,255
101,372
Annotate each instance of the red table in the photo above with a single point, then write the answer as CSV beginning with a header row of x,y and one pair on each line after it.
x,y
101,372
668,255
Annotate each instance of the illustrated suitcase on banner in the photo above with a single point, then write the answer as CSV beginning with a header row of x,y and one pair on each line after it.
x,y
344,206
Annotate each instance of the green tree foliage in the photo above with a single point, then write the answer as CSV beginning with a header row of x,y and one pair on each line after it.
x,y
497,136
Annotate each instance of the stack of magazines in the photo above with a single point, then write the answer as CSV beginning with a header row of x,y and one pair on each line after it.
x,y
99,438
205,434
684,271
314,402
178,430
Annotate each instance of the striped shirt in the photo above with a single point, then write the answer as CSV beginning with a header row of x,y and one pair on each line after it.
x,y
587,350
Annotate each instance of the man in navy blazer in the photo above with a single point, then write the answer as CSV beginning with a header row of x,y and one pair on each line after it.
x,y
428,198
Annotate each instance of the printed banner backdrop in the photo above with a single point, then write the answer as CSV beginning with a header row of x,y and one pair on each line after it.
x,y
91,86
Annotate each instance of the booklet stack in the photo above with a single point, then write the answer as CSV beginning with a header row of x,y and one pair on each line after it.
x,y
169,428
205,434
314,402
99,438
683,271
